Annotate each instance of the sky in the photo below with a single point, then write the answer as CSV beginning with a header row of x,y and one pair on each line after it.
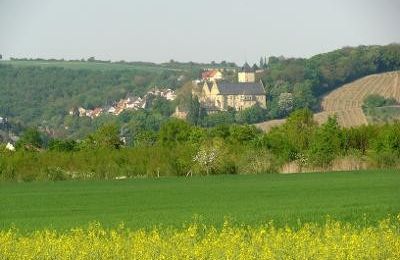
x,y
199,31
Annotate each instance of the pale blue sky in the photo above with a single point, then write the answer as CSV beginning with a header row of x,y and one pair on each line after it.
x,y
201,31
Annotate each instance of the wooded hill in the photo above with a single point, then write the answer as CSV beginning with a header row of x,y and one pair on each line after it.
x,y
40,93
347,102
299,83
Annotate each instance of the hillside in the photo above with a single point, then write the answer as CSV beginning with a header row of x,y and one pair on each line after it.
x,y
346,102
41,93
102,66
99,65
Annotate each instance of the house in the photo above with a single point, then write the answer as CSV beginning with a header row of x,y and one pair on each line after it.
x,y
97,112
169,94
219,96
211,75
111,110
82,111
179,114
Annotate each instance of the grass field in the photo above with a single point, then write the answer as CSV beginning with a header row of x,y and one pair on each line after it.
x,y
104,66
173,201
89,65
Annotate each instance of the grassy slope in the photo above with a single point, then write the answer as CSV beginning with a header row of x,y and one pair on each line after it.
x,y
112,66
173,201
88,65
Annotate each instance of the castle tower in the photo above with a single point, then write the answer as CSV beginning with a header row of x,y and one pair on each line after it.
x,y
246,74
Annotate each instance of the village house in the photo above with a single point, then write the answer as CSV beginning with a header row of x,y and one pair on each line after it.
x,y
219,96
168,94
129,103
212,75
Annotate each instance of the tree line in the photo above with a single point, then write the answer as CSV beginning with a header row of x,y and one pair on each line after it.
x,y
300,83
179,148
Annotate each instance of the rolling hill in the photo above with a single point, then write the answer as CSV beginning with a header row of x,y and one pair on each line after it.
x,y
346,102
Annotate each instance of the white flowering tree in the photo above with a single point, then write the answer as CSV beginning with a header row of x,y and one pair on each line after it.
x,y
285,103
206,159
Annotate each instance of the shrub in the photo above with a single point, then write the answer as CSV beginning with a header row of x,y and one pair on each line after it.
x,y
258,162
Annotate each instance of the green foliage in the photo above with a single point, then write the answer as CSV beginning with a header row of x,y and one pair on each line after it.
x,y
303,96
219,118
31,139
251,115
325,145
299,128
38,96
388,140
174,131
373,101
258,162
196,113
243,134
162,106
106,137
293,137
63,145
379,109
309,79
359,139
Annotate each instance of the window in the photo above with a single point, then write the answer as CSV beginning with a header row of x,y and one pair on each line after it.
x,y
246,97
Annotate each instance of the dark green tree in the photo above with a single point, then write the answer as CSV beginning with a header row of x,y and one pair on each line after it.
x,y
106,137
251,115
196,113
31,139
162,106
60,145
325,145
174,131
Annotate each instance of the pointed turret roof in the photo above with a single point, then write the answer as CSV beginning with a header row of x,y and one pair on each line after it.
x,y
246,68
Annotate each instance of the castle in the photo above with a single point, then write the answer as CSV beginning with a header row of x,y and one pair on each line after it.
x,y
219,96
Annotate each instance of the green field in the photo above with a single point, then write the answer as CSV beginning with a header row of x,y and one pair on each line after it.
x,y
90,65
347,196
104,66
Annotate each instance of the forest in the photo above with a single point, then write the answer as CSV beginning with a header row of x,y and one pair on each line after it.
x,y
299,83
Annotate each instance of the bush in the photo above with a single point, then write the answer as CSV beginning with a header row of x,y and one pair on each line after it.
x,y
258,162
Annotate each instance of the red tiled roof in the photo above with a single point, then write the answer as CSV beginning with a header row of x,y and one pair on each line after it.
x,y
208,74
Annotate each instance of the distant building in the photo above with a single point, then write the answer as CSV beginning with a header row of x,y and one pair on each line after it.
x,y
247,74
179,114
212,75
82,111
219,96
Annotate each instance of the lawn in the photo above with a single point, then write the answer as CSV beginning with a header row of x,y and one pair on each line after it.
x,y
285,199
